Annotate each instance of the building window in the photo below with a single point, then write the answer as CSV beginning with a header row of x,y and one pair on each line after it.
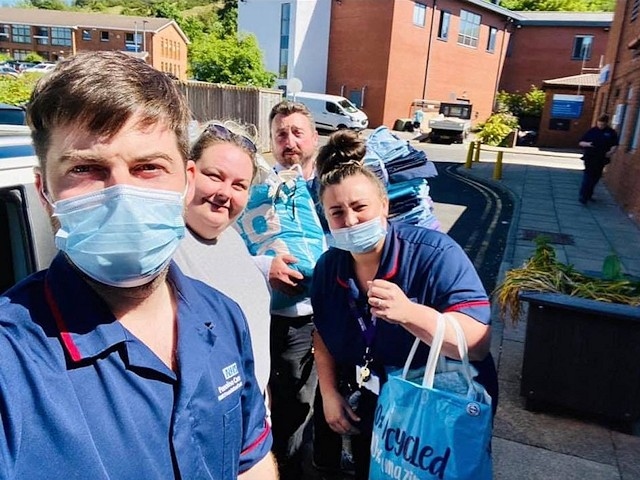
x,y
491,41
42,35
133,42
582,47
443,28
285,17
4,32
19,54
419,14
86,35
61,36
21,33
469,28
104,36
635,140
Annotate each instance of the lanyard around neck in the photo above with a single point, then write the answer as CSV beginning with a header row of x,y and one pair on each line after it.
x,y
367,329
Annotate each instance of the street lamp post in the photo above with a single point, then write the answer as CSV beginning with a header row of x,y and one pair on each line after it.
x,y
144,35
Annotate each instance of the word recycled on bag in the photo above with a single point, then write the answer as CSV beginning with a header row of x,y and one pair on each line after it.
x,y
407,448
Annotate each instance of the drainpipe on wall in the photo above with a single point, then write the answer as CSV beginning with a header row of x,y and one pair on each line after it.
x,y
507,24
426,66
362,90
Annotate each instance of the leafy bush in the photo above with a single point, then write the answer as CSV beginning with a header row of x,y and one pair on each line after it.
x,y
543,272
496,129
16,91
527,104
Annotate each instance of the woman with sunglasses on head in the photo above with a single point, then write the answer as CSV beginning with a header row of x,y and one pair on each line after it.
x,y
379,287
225,158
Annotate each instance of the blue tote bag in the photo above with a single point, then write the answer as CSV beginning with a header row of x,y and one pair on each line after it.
x,y
432,425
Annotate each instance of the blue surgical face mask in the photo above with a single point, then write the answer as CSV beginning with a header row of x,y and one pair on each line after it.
x,y
360,238
121,236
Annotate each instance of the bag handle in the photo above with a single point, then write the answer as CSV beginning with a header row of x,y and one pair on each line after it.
x,y
436,346
435,356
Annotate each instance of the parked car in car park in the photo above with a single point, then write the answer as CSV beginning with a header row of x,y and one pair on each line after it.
x,y
25,230
10,71
12,115
40,68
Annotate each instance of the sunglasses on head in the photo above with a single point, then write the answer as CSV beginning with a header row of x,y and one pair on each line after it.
x,y
224,133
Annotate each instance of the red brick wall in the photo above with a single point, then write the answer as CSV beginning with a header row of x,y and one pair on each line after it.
x,y
167,49
456,70
623,174
359,43
376,44
539,53
565,138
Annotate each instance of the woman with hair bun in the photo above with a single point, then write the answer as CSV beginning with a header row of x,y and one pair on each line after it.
x,y
379,287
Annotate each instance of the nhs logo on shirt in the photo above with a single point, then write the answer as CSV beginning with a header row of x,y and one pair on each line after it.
x,y
233,381
230,371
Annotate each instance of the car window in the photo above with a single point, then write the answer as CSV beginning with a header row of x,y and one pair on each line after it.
x,y
16,255
12,116
348,106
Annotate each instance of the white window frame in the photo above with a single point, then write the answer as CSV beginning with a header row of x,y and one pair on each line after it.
x,y
419,14
469,28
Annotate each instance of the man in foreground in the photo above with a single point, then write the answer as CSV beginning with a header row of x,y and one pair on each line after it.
x,y
112,363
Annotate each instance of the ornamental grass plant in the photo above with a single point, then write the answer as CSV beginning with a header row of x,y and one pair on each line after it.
x,y
542,272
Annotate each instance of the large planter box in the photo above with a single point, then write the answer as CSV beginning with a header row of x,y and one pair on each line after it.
x,y
582,354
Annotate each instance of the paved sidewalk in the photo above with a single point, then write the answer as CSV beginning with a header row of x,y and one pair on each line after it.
x,y
545,187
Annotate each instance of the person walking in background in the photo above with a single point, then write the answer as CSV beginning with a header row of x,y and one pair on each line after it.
x,y
381,286
418,118
225,160
113,364
599,144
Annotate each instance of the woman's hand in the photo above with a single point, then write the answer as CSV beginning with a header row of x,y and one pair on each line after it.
x,y
389,302
338,414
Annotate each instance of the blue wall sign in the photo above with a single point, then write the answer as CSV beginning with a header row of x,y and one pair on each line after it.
x,y
567,106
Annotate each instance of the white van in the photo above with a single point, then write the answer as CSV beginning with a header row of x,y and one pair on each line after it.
x,y
332,112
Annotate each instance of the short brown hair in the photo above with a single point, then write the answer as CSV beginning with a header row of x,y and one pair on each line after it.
x,y
343,157
603,118
286,108
101,91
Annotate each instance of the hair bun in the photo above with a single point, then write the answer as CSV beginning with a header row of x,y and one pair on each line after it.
x,y
344,149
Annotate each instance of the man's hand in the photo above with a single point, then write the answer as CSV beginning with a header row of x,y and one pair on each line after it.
x,y
283,278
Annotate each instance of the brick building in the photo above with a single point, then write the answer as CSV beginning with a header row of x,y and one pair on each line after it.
x,y
57,34
619,96
549,45
439,50
562,125
384,54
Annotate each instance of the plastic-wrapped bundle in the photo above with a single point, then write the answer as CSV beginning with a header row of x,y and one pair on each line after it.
x,y
281,218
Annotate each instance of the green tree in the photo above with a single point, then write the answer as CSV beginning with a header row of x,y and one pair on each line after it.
x,y
229,59
33,57
518,104
228,16
560,5
16,91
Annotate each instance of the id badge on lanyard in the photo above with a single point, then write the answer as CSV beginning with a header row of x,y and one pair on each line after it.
x,y
364,376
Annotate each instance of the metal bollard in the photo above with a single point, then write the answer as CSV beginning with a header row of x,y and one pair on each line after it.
x,y
476,158
467,164
497,170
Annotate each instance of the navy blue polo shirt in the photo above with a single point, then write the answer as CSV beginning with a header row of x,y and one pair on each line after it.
x,y
81,397
428,266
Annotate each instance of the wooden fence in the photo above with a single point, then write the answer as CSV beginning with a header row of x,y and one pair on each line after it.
x,y
246,105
